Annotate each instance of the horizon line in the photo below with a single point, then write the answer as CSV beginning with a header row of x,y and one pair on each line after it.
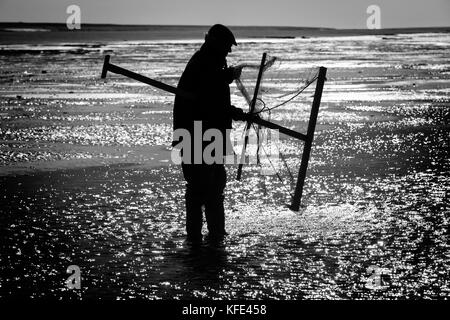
x,y
232,26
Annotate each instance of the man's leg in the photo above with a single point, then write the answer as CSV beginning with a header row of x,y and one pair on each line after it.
x,y
214,209
194,201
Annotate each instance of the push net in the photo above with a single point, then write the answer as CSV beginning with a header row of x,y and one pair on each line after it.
x,y
284,97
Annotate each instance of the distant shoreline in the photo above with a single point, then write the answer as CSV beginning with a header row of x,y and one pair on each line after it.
x,y
16,33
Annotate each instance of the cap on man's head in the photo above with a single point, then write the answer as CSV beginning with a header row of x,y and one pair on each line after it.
x,y
222,33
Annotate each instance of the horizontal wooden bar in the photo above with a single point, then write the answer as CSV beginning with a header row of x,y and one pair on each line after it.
x,y
133,75
286,131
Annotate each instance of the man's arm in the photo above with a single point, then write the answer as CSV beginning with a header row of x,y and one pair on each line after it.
x,y
232,73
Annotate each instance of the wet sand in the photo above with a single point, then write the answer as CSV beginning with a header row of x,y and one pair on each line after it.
x,y
85,180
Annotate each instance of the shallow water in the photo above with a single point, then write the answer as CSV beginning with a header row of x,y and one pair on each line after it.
x,y
376,196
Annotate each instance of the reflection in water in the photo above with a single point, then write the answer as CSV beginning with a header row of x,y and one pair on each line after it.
x,y
376,196
206,264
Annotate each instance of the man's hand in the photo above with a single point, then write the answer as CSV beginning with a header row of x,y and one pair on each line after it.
x,y
240,115
236,72
251,117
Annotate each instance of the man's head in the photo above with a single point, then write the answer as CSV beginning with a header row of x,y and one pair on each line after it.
x,y
221,39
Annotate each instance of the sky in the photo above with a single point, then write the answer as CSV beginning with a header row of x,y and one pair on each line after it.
x,y
307,13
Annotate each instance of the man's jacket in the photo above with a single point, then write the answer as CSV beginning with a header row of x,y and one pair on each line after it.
x,y
207,78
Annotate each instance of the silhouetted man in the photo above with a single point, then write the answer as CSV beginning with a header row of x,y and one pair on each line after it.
x,y
207,77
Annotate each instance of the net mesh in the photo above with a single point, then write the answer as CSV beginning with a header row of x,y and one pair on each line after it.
x,y
284,97
281,84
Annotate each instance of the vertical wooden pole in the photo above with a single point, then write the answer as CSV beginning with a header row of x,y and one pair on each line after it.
x,y
295,205
252,109
105,66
